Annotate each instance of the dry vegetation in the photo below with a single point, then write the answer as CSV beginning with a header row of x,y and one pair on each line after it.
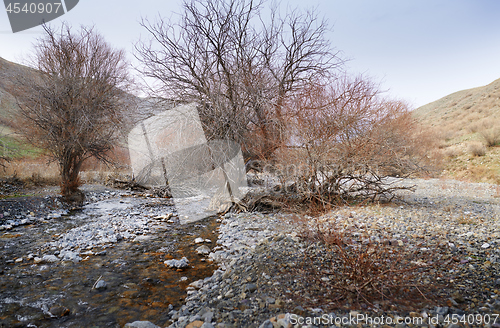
x,y
353,269
469,132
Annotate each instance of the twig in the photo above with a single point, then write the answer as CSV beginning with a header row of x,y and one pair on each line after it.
x,y
95,283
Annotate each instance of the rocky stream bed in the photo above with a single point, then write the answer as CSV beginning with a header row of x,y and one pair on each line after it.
x,y
107,265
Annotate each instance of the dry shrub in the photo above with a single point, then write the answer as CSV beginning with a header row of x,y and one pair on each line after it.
x,y
476,148
347,140
452,151
352,269
491,136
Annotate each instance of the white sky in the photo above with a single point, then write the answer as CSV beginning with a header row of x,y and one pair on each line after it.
x,y
420,50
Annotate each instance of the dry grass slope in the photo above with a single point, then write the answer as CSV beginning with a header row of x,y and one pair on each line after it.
x,y
463,112
468,126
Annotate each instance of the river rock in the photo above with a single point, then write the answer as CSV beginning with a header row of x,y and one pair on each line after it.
x,y
49,259
177,264
203,250
59,311
66,255
140,324
195,324
457,297
101,285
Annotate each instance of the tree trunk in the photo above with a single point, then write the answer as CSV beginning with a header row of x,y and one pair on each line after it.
x,y
70,168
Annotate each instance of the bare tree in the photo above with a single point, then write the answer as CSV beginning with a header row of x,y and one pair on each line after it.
x,y
71,104
238,64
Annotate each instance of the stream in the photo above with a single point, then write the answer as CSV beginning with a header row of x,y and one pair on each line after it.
x,y
100,266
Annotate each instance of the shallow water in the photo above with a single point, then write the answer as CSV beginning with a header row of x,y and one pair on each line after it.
x,y
139,285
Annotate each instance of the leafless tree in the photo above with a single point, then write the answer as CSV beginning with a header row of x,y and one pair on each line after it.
x,y
71,103
239,64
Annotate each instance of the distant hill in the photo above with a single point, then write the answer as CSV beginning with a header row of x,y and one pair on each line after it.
x,y
467,126
8,72
464,112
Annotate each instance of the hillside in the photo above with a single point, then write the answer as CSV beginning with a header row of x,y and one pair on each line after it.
x,y
467,123
464,112
8,72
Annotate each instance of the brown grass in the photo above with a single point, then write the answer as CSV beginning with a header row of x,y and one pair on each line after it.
x,y
32,171
476,148
39,172
452,151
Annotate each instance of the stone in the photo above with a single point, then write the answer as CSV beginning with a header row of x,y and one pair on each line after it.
x,y
441,310
284,320
208,316
101,285
50,259
251,287
457,297
207,325
195,324
267,324
59,311
196,317
203,250
66,255
299,310
197,284
178,264
199,240
141,324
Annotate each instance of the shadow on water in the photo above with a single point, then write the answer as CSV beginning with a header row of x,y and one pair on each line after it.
x,y
139,285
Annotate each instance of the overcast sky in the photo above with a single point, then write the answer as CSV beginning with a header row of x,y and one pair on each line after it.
x,y
420,50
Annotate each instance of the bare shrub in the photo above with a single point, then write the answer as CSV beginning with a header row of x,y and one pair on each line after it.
x,y
71,104
452,152
476,148
353,269
347,140
491,136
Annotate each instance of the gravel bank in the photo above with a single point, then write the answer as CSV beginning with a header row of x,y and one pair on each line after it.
x,y
264,280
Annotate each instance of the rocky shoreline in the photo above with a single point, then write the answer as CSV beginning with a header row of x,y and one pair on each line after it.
x,y
272,273
455,221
